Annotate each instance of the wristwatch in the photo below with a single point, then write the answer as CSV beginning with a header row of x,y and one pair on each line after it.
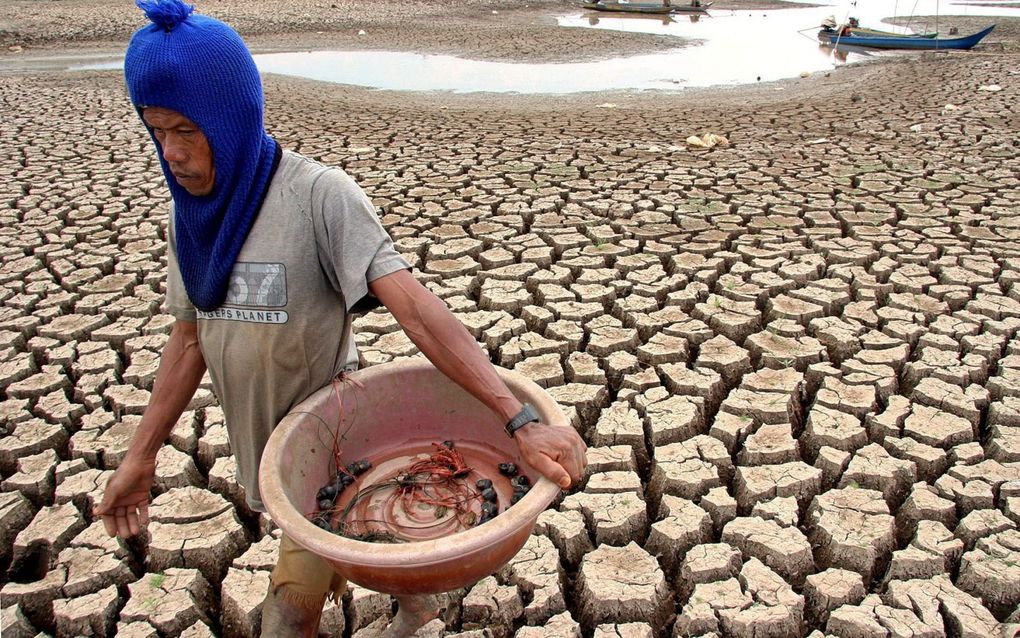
x,y
525,416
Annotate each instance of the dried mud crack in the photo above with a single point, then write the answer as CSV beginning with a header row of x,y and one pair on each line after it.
x,y
796,363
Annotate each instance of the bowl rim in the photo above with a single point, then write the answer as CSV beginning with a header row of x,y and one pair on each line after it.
x,y
337,548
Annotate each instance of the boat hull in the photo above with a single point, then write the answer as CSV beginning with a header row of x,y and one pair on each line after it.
x,y
909,43
649,8
889,34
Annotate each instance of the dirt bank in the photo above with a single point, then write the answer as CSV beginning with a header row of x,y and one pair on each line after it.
x,y
794,357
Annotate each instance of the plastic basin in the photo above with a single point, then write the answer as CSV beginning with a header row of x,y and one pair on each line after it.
x,y
382,409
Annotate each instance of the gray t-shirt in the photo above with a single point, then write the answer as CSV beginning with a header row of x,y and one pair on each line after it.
x,y
315,246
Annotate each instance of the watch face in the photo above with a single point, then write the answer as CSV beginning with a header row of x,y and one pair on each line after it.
x,y
529,413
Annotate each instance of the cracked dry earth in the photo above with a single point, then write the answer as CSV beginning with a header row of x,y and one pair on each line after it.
x,y
795,359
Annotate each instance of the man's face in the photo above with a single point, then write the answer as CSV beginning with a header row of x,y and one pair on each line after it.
x,y
185,149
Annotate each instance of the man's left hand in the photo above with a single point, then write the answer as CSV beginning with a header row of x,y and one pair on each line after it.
x,y
555,451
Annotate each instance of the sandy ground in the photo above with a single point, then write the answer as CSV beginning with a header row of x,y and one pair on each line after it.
x,y
799,350
481,29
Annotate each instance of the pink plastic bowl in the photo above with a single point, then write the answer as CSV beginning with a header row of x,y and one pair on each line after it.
x,y
385,407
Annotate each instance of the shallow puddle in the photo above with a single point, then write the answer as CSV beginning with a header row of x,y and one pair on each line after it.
x,y
717,48
723,47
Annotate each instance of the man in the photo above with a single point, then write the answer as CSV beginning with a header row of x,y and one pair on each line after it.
x,y
268,253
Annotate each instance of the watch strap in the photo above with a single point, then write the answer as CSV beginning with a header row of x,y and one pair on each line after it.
x,y
525,416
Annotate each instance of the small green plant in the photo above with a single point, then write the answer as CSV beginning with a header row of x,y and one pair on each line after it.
x,y
559,169
156,580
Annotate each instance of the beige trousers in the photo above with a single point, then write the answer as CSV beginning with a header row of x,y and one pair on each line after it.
x,y
306,580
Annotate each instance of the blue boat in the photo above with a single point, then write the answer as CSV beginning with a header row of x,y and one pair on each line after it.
x,y
886,42
853,27
889,34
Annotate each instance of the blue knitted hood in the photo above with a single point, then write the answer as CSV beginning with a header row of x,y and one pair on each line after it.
x,y
199,67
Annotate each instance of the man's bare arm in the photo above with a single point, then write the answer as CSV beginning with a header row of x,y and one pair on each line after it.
x,y
124,509
556,452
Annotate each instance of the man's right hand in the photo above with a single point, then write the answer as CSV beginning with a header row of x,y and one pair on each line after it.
x,y
125,506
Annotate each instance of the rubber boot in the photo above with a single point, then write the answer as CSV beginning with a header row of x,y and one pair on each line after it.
x,y
281,619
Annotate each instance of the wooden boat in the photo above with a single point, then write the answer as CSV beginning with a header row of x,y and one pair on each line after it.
x,y
853,27
691,8
644,7
889,34
899,42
